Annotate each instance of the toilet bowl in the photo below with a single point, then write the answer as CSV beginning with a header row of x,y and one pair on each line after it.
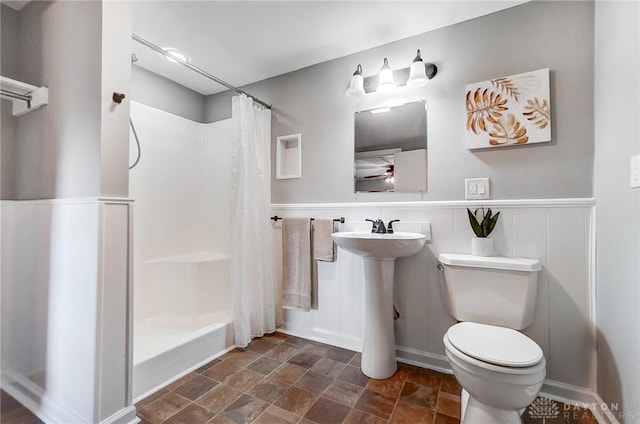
x,y
501,371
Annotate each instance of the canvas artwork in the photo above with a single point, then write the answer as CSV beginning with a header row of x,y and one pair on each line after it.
x,y
509,111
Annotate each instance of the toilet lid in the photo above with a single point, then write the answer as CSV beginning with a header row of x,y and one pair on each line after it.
x,y
495,345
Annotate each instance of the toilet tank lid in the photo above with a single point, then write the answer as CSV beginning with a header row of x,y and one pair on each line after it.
x,y
492,262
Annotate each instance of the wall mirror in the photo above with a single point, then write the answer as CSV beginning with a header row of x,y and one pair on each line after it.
x,y
391,149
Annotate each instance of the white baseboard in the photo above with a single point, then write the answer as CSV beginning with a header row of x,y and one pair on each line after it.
x,y
581,397
322,336
37,401
125,416
423,359
49,410
405,355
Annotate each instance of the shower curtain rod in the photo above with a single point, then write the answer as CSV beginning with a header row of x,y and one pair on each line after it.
x,y
198,70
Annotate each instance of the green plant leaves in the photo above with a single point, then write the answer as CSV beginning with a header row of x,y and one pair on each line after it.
x,y
486,226
474,223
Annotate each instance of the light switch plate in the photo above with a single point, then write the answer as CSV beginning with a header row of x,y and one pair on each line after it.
x,y
635,171
477,189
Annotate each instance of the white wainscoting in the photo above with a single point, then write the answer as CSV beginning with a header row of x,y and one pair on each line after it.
x,y
66,308
556,231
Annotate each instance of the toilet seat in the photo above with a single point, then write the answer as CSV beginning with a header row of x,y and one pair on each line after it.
x,y
495,345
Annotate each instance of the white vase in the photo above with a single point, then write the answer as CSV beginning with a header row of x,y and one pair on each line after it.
x,y
482,246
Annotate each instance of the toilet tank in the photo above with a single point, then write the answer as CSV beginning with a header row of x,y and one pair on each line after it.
x,y
490,290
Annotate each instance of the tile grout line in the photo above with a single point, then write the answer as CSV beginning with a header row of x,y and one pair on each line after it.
x,y
435,408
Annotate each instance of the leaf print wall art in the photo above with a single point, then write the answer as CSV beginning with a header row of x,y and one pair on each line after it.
x,y
509,111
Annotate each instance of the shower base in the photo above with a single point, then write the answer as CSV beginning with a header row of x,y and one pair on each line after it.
x,y
168,347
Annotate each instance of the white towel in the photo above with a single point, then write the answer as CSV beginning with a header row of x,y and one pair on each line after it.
x,y
324,249
296,263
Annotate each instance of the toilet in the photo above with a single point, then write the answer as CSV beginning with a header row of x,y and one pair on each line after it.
x,y
500,369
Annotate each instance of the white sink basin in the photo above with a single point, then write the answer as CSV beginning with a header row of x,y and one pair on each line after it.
x,y
380,246
379,252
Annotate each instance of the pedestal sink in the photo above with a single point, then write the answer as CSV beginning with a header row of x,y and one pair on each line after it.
x,y
379,252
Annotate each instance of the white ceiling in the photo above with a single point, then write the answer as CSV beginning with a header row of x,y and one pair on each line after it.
x,y
247,41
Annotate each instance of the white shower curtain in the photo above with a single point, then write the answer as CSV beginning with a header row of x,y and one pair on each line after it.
x,y
251,244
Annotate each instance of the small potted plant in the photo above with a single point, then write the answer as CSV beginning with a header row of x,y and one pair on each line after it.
x,y
482,244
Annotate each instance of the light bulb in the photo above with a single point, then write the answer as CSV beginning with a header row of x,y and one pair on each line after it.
x,y
356,87
417,73
173,55
386,84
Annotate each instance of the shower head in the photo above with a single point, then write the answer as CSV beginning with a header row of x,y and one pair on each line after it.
x,y
134,58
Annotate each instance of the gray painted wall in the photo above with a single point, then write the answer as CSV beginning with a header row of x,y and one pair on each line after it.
x,y
8,68
114,118
617,138
8,42
7,153
58,146
77,145
218,106
161,93
536,35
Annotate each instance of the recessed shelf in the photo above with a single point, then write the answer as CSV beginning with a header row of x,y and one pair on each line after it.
x,y
289,156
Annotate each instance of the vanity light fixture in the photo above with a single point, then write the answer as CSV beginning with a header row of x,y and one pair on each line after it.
x,y
417,75
356,87
386,84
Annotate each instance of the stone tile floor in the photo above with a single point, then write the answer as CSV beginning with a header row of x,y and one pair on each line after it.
x,y
282,379
12,412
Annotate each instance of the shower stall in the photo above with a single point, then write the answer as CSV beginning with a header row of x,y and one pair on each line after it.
x,y
182,296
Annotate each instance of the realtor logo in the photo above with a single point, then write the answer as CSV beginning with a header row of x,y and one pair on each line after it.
x,y
543,408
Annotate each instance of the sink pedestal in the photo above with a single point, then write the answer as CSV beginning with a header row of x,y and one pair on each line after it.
x,y
379,252
379,349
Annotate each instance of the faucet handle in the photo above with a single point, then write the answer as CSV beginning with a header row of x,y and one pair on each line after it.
x,y
390,227
374,225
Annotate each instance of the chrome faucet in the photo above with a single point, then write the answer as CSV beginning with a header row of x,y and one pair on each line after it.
x,y
377,226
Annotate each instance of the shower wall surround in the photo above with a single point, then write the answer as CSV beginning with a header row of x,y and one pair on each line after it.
x,y
182,192
558,232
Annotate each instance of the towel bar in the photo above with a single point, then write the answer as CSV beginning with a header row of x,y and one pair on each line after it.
x,y
276,218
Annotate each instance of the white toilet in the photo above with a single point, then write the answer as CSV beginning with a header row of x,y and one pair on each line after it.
x,y
500,370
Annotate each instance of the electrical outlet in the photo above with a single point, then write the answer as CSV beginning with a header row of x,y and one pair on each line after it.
x,y
477,188
635,171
